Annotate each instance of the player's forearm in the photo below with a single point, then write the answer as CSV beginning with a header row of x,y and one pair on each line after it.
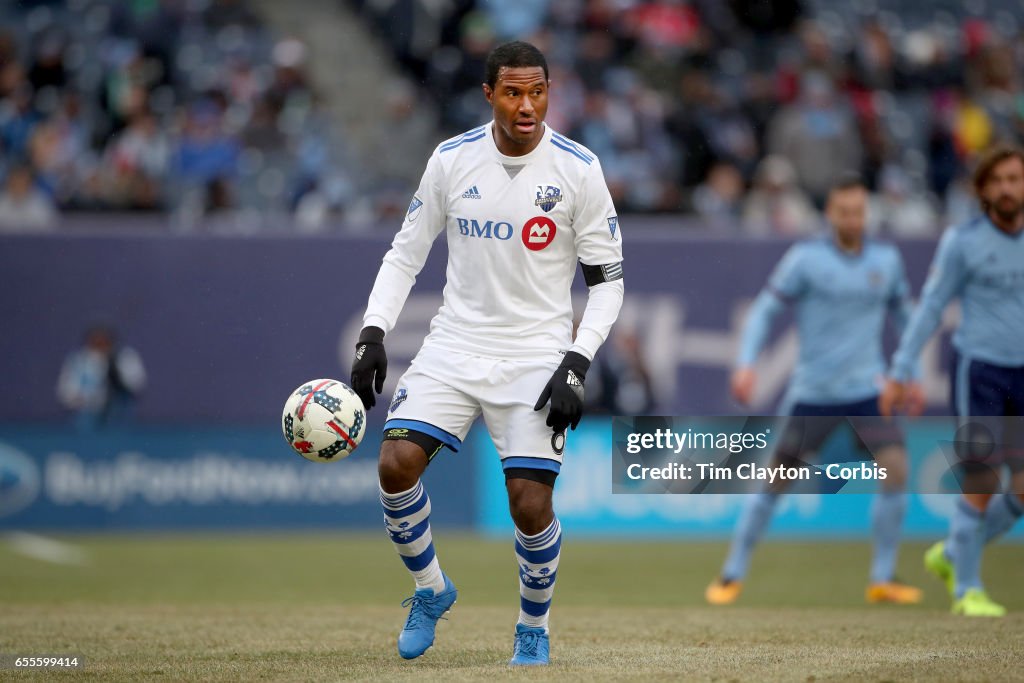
x,y
759,323
603,304
902,311
921,326
388,296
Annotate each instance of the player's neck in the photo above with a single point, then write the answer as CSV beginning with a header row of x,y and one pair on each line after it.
x,y
511,148
849,245
1012,227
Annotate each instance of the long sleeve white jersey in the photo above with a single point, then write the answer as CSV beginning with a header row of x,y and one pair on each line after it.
x,y
516,227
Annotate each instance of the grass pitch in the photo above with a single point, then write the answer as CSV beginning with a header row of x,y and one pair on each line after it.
x,y
243,608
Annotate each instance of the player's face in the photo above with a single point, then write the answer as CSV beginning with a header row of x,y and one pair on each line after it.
x,y
847,212
520,102
1004,190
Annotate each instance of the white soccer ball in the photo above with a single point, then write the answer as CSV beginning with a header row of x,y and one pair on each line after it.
x,y
323,420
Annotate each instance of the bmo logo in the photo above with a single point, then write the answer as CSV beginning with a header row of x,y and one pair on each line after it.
x,y
490,229
538,233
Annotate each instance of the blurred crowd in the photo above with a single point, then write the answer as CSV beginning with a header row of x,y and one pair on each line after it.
x,y
738,112
744,111
182,106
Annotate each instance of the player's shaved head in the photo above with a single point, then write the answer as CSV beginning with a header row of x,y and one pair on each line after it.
x,y
513,55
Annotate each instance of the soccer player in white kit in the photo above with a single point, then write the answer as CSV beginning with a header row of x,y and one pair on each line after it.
x,y
519,205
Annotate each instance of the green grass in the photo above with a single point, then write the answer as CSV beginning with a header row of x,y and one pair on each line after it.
x,y
182,608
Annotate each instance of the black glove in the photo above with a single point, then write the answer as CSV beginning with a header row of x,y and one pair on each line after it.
x,y
370,367
565,389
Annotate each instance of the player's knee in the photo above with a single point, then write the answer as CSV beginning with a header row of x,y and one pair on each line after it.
x,y
400,465
894,460
529,502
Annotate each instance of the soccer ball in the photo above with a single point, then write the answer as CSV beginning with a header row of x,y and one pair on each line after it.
x,y
323,420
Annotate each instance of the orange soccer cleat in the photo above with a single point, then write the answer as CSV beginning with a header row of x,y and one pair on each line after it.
x,y
893,592
721,592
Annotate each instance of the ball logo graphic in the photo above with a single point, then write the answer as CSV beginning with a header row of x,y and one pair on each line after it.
x,y
19,481
538,233
323,420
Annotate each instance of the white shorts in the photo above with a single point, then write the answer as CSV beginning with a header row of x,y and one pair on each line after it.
x,y
444,391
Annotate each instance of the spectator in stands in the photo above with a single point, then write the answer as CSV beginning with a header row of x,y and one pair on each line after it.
x,y
899,209
59,151
972,126
776,205
100,382
23,206
206,160
818,135
18,117
875,62
718,200
513,20
11,71
136,162
48,70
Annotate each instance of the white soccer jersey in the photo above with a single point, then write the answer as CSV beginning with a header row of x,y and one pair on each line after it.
x,y
516,227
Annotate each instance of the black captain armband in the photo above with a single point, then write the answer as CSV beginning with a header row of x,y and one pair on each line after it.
x,y
595,275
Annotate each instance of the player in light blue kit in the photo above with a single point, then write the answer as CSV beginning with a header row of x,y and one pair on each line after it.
x,y
982,264
842,286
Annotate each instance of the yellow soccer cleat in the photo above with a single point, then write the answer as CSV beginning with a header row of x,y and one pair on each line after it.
x,y
893,592
937,564
976,603
721,592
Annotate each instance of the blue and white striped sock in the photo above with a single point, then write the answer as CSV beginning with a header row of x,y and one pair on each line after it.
x,y
537,556
407,518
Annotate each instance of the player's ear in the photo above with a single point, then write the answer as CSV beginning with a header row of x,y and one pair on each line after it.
x,y
488,92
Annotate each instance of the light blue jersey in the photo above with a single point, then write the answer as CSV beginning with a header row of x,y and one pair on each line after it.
x,y
984,267
841,303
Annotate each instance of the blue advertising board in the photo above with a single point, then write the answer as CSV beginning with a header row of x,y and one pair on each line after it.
x,y
199,478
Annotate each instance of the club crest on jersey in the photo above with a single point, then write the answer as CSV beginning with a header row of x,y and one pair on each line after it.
x,y
414,208
548,196
398,399
613,225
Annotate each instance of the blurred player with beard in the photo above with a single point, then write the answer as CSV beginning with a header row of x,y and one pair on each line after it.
x,y
982,264
842,286
520,205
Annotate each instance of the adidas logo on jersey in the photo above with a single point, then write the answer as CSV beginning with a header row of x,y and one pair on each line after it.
x,y
471,193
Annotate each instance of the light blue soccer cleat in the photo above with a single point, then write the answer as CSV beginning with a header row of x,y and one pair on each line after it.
x,y
531,647
425,609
